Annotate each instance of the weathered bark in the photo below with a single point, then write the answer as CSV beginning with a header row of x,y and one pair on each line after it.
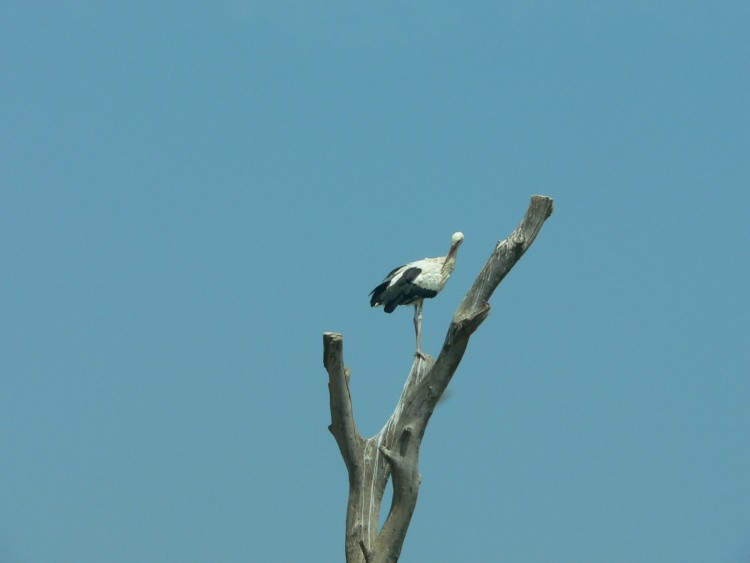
x,y
394,451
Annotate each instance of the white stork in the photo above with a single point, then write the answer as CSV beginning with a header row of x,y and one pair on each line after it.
x,y
414,282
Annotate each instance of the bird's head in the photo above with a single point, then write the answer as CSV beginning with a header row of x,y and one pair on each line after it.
x,y
456,241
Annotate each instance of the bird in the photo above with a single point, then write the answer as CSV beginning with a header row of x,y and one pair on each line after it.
x,y
414,282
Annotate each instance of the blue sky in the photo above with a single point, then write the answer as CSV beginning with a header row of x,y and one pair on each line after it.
x,y
191,194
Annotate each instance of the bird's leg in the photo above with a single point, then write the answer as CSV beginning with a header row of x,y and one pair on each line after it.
x,y
418,327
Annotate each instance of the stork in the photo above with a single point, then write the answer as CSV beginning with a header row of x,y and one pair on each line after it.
x,y
414,282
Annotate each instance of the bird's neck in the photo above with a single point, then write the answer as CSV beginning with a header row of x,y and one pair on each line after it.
x,y
449,264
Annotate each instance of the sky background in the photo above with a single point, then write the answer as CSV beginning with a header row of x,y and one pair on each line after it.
x,y
192,193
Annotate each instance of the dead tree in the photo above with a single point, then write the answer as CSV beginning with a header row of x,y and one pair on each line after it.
x,y
394,451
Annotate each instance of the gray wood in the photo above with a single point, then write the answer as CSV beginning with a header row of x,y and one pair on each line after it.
x,y
394,451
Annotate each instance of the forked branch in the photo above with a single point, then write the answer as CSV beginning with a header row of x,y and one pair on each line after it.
x,y
395,449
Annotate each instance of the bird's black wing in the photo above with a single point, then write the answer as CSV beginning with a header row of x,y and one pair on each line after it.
x,y
403,292
378,291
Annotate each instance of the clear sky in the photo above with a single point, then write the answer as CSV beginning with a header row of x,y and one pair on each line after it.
x,y
192,193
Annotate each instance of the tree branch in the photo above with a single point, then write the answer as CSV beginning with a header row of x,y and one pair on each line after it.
x,y
506,254
343,427
475,307
406,480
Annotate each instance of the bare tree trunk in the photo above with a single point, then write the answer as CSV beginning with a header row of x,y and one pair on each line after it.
x,y
394,451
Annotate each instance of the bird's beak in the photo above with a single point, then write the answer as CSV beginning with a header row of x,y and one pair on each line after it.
x,y
451,252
